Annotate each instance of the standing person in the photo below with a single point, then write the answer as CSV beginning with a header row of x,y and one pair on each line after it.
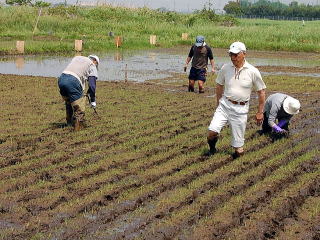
x,y
72,85
200,52
279,108
233,89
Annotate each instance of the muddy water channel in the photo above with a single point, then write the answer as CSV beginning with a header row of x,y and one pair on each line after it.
x,y
152,64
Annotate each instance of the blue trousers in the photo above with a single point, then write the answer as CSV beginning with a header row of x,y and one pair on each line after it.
x,y
70,87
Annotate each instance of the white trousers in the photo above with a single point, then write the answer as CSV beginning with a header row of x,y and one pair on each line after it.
x,y
236,115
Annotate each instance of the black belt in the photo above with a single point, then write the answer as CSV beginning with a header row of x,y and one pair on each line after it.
x,y
238,103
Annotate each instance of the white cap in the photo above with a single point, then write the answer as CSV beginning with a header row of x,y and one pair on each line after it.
x,y
291,105
95,57
237,47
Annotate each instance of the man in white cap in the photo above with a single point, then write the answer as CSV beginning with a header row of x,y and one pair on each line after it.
x,y
278,111
72,85
200,52
234,84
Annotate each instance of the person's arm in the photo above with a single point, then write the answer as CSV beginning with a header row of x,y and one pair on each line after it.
x,y
187,62
210,56
219,92
212,65
190,55
92,88
92,79
262,99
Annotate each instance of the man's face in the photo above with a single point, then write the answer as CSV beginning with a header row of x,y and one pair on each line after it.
x,y
237,59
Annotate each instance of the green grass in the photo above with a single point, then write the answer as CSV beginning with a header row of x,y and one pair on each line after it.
x,y
58,28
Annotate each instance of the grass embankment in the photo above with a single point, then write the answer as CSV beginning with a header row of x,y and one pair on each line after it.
x,y
58,28
138,171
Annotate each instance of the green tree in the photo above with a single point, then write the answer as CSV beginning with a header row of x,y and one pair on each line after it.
x,y
233,8
28,2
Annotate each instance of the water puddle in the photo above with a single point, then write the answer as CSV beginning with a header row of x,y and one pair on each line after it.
x,y
143,65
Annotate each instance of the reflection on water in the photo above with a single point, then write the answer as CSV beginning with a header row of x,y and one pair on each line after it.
x,y
19,61
134,65
118,56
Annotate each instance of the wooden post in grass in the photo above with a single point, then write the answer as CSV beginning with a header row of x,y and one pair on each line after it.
x,y
153,39
20,46
78,45
118,41
184,36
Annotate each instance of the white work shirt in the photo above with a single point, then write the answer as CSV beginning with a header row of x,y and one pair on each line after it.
x,y
239,83
79,67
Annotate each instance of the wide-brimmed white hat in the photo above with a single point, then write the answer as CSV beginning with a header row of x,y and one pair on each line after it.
x,y
291,105
237,47
95,57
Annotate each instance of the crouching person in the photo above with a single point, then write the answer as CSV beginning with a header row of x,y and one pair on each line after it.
x,y
72,85
278,110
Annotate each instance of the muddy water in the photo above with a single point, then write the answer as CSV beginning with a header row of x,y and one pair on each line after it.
x,y
153,64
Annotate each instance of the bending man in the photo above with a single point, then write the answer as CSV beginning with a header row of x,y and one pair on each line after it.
x,y
72,85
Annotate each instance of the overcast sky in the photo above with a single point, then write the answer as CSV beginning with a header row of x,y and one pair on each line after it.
x,y
173,5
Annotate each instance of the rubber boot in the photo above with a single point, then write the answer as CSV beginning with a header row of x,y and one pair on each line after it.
x,y
212,146
69,113
236,155
78,118
190,89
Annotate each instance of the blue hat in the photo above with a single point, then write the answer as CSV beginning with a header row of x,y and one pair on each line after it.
x,y
199,41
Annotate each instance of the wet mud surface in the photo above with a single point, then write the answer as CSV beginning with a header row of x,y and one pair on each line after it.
x,y
138,171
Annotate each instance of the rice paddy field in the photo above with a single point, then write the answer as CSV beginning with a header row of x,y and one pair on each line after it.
x,y
137,171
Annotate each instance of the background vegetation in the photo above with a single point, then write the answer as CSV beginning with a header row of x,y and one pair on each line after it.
x,y
272,8
59,26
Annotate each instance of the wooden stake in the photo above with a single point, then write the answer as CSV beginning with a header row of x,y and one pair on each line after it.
x,y
20,46
78,45
153,39
118,41
184,36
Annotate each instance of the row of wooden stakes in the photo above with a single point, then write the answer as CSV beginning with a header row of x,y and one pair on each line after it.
x,y
117,40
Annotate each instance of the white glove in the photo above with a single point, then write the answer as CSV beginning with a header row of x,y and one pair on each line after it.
x,y
93,104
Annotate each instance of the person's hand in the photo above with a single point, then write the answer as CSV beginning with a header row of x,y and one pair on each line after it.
x,y
185,68
259,118
277,129
93,104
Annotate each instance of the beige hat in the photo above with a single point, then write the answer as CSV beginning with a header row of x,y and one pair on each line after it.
x,y
291,105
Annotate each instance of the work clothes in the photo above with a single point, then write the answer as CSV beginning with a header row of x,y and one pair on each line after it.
x,y
198,74
200,56
274,111
236,115
72,85
234,104
79,67
92,79
238,84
